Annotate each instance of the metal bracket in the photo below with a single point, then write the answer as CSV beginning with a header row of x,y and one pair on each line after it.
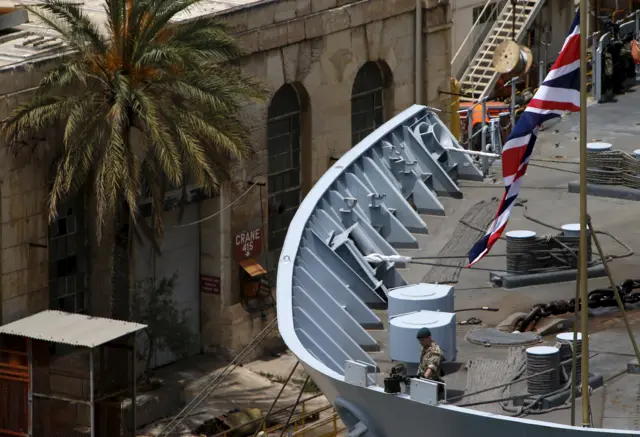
x,y
356,373
425,391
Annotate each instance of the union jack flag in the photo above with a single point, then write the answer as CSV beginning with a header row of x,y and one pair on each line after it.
x,y
559,92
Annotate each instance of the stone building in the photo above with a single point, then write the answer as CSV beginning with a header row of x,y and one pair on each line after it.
x,y
337,70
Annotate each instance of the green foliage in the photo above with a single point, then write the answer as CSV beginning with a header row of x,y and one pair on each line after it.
x,y
168,328
141,98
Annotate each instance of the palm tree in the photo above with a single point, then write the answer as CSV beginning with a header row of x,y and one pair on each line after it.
x,y
141,98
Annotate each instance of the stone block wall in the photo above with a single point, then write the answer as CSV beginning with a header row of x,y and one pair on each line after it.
x,y
318,46
24,216
23,236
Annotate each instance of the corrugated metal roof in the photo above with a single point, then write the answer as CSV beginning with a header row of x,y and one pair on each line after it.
x,y
69,328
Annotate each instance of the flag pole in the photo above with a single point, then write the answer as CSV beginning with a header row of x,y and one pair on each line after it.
x,y
586,423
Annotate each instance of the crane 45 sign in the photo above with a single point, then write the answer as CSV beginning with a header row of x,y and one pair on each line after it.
x,y
248,244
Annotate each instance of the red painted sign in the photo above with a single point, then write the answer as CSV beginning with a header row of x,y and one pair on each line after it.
x,y
210,284
248,244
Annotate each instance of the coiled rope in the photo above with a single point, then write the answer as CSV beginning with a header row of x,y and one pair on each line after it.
x,y
515,380
614,167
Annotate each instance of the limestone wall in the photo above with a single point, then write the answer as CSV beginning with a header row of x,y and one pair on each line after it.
x,y
23,239
319,46
23,211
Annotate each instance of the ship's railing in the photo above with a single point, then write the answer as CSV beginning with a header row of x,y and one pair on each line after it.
x,y
628,25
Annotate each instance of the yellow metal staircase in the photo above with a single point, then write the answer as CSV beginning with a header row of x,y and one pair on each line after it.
x,y
479,78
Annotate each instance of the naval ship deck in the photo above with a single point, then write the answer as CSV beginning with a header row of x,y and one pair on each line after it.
x,y
615,405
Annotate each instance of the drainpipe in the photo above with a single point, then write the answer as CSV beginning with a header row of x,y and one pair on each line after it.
x,y
419,76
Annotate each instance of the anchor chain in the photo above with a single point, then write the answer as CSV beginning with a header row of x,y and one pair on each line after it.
x,y
598,298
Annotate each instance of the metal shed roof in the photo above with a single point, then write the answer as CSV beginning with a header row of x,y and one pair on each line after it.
x,y
69,328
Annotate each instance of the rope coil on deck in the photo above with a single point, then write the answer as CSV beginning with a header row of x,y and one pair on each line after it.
x,y
542,358
613,167
522,256
565,346
534,254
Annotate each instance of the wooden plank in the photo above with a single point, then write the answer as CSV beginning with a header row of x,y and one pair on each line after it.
x,y
13,407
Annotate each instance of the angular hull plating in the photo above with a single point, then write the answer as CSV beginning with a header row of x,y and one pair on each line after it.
x,y
372,201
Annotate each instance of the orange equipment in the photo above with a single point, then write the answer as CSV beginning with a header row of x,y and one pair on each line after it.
x,y
635,51
493,110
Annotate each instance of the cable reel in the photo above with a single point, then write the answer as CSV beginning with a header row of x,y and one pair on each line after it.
x,y
511,58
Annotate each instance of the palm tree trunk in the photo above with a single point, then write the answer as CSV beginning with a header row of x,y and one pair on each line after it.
x,y
120,275
119,359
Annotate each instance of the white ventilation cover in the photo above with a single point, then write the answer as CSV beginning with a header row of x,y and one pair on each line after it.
x,y
403,345
418,297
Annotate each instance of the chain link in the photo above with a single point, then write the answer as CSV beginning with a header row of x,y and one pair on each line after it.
x,y
601,297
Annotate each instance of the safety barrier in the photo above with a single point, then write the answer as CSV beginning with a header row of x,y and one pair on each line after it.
x,y
630,24
490,131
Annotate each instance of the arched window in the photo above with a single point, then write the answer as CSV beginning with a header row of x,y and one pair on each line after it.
x,y
283,144
367,101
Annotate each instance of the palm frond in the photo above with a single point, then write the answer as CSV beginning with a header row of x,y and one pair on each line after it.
x,y
141,101
35,116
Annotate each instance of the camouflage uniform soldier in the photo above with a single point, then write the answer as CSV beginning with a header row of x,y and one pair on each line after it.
x,y
431,357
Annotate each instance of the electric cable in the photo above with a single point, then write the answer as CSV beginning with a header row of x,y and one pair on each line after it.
x,y
553,168
217,380
219,211
515,381
527,407
284,428
481,269
629,250
273,404
492,255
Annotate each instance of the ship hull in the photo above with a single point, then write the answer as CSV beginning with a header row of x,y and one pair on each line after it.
x,y
371,202
388,415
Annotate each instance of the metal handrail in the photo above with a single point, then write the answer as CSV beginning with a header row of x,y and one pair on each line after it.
x,y
473,28
495,36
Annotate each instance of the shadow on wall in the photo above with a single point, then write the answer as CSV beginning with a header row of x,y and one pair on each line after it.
x,y
168,327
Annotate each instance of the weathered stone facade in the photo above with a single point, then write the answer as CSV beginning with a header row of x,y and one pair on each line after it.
x,y
23,240
24,288
318,46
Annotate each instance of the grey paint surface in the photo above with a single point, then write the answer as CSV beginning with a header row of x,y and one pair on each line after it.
x,y
546,190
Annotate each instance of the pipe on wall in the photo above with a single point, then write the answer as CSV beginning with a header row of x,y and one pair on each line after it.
x,y
419,57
